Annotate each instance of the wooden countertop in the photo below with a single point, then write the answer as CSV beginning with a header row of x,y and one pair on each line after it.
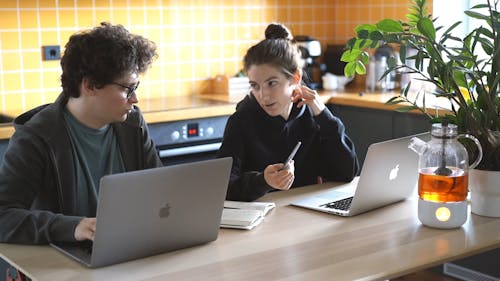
x,y
165,110
291,244
169,109
351,97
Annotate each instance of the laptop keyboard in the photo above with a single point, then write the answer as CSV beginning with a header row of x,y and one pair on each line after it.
x,y
344,204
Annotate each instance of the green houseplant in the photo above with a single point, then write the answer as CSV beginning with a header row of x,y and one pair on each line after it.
x,y
470,82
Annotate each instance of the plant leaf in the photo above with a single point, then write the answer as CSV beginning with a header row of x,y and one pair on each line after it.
x,y
350,69
486,32
389,25
376,35
394,100
350,55
363,34
412,18
402,53
452,27
407,108
364,57
459,78
487,46
360,68
363,43
374,44
406,89
426,27
350,43
447,35
367,27
476,15
481,102
479,6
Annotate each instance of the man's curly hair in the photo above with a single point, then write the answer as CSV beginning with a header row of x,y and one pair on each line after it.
x,y
102,55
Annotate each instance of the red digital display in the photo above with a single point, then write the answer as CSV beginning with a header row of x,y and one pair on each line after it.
x,y
192,130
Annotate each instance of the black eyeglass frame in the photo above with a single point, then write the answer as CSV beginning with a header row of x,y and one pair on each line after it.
x,y
130,90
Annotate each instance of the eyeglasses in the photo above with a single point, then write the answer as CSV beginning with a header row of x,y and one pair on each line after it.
x,y
130,89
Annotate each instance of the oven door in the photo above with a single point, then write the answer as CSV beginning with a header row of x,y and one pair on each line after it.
x,y
188,140
189,152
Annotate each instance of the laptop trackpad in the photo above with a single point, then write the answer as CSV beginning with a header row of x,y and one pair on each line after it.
x,y
333,195
322,198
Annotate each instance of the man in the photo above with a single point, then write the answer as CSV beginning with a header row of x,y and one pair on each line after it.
x,y
49,180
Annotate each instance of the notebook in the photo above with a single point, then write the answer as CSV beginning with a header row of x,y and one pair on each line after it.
x,y
244,215
148,212
389,175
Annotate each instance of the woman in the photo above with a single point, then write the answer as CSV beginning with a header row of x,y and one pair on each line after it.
x,y
278,113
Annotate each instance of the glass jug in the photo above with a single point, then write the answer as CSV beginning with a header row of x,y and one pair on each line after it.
x,y
443,176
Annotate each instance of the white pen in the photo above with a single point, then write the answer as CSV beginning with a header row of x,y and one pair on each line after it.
x,y
292,154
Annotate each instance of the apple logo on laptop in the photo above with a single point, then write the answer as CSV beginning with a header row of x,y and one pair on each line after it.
x,y
164,211
394,173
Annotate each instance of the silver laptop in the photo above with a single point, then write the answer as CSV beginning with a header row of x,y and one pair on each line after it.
x,y
148,212
389,175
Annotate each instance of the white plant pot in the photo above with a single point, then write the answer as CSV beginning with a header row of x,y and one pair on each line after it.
x,y
485,192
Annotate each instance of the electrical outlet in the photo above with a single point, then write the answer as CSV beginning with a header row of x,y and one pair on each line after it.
x,y
51,52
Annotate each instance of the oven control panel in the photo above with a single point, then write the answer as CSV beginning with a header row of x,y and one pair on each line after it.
x,y
188,131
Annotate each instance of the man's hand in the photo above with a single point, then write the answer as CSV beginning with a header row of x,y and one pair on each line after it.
x,y
85,229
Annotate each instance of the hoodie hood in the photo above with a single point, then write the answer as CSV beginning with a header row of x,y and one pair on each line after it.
x,y
35,120
25,117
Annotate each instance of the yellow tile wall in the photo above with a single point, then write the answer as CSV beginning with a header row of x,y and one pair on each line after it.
x,y
196,39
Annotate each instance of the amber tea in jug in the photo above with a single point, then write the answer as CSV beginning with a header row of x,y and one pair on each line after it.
x,y
452,188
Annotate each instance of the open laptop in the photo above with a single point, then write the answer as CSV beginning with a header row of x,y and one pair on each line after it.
x,y
148,212
389,175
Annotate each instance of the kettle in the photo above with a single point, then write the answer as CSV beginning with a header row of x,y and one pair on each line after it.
x,y
443,176
377,66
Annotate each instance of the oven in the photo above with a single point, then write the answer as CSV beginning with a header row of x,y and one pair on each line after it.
x,y
188,140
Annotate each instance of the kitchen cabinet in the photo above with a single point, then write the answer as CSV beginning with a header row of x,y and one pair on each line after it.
x,y
367,125
405,124
483,266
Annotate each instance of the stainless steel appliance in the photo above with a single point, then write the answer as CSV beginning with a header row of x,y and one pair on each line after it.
x,y
331,58
180,141
313,70
381,56
188,140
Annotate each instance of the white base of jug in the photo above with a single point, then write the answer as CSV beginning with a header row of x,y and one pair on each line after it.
x,y
442,215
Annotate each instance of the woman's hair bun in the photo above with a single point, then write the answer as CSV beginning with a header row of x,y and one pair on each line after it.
x,y
278,31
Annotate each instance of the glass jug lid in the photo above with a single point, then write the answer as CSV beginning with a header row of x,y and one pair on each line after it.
x,y
443,131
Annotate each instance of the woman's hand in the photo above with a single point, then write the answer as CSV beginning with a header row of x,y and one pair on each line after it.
x,y
280,177
85,229
304,95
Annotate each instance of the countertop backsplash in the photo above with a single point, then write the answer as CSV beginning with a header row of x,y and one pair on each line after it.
x,y
196,40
